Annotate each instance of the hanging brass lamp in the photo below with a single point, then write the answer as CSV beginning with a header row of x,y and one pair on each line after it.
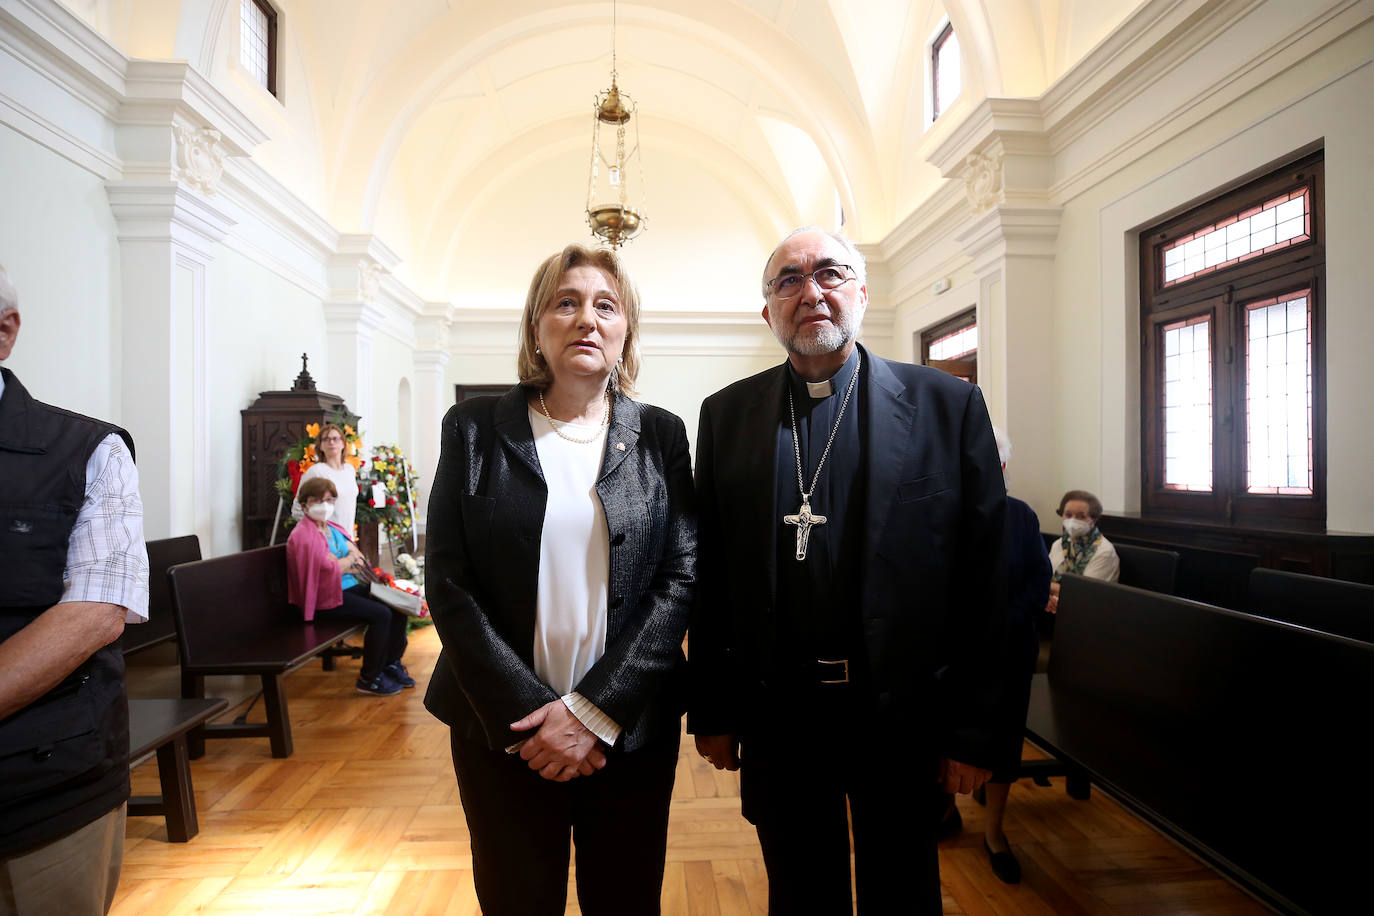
x,y
614,214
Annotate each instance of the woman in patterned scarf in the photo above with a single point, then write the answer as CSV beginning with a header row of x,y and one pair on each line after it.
x,y
1081,550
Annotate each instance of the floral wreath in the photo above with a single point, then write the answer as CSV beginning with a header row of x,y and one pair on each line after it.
x,y
396,509
302,455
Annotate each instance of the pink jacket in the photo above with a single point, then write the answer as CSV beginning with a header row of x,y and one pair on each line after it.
x,y
313,580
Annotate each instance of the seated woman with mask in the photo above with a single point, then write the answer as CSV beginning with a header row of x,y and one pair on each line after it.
x,y
1082,550
320,564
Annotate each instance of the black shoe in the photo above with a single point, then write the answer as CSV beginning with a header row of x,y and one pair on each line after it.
x,y
379,686
398,673
1004,865
950,824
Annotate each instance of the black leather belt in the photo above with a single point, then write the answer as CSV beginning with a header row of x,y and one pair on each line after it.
x,y
831,671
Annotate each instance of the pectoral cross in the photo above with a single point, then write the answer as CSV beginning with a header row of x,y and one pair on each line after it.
x,y
804,521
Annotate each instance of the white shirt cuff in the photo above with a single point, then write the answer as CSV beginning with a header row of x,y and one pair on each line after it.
x,y
596,721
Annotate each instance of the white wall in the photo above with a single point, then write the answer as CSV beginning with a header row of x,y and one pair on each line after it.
x,y
1097,272
258,327
57,243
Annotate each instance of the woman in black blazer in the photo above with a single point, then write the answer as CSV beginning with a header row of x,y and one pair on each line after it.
x,y
561,564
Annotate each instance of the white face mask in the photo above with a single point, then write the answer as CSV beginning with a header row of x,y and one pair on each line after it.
x,y
1077,527
320,511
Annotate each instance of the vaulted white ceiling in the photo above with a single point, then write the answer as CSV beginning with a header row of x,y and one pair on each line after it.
x,y
459,130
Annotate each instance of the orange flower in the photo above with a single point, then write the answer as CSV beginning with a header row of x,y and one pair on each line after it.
x,y
355,461
348,432
309,456
313,430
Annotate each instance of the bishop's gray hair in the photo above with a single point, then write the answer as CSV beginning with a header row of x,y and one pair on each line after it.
x,y
1003,444
9,299
859,264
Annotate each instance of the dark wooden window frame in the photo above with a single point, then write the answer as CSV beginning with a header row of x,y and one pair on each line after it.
x,y
463,393
271,14
1222,295
963,368
935,47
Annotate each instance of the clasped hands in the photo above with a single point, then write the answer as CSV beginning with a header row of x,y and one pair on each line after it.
x,y
563,748
722,752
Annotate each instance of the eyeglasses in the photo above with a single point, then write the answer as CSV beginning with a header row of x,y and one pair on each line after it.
x,y
832,276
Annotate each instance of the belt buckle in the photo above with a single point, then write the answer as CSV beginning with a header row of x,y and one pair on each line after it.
x,y
844,662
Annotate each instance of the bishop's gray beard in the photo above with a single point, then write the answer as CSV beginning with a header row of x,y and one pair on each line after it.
x,y
816,339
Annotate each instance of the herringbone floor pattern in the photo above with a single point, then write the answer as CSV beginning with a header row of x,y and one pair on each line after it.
x,y
364,818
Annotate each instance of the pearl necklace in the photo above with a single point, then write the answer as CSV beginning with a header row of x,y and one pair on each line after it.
x,y
557,427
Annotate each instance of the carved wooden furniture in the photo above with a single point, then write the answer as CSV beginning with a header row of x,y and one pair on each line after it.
x,y
276,421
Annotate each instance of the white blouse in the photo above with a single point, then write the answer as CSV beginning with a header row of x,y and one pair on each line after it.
x,y
345,480
574,568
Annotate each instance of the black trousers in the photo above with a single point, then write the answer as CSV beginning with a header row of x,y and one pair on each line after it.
x,y
800,787
385,639
519,825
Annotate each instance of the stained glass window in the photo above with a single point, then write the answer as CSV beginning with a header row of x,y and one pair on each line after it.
x,y
1277,223
955,344
1232,369
1278,395
1188,405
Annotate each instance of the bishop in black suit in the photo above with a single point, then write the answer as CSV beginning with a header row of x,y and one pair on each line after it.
x,y
850,531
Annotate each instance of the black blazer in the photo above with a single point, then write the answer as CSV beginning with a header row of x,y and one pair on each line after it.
x,y
930,596
486,516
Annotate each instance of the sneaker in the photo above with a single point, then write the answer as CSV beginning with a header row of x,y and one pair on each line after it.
x,y
398,673
379,686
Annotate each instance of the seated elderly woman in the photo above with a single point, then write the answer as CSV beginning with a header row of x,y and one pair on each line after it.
x,y
1082,550
321,561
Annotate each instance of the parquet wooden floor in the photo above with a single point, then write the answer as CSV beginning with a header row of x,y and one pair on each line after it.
x,y
364,818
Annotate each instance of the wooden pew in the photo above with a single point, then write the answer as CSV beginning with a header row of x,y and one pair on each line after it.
x,y
160,726
1147,567
232,617
1221,728
159,627
1329,605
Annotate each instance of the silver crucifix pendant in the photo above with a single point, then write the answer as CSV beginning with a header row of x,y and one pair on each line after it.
x,y
804,520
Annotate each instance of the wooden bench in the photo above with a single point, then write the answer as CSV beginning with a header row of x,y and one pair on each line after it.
x,y
1329,605
159,627
1220,728
232,618
160,726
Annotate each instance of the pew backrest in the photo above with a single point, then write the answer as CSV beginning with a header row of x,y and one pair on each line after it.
x,y
160,626
232,610
1147,567
1216,723
1330,605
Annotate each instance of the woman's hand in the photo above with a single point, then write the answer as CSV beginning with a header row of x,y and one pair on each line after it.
x,y
563,748
354,559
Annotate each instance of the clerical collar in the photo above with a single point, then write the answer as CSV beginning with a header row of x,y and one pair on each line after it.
x,y
826,387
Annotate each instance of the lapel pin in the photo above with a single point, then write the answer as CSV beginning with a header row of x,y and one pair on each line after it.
x,y
620,446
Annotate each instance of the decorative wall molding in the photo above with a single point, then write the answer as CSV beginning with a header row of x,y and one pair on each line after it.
x,y
983,181
432,328
199,158
167,211
158,90
61,46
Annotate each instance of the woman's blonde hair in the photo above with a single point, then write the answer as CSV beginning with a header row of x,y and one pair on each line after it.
x,y
534,370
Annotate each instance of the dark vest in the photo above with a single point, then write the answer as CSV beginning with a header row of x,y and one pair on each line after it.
x,y
64,759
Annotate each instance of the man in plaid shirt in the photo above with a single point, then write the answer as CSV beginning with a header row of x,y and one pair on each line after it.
x,y
76,571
